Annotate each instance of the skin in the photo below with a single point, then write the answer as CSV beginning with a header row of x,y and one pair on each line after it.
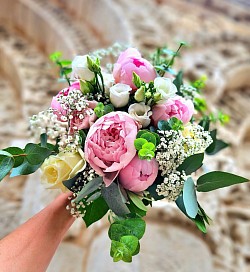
x,y
32,245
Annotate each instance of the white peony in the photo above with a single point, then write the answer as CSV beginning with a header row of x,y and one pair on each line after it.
x,y
119,94
141,113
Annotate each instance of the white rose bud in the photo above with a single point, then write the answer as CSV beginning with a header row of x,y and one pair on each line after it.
x,y
119,95
109,81
165,87
141,113
80,68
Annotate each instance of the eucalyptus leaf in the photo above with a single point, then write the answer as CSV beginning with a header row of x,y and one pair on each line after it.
x,y
24,169
131,242
219,145
189,198
217,179
6,164
94,196
43,139
16,151
89,188
114,199
36,154
178,81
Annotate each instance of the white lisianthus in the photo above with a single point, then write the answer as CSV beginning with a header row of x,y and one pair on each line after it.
x,y
119,95
63,166
80,68
109,81
141,113
165,87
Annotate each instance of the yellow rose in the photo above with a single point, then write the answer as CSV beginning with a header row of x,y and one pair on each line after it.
x,y
63,166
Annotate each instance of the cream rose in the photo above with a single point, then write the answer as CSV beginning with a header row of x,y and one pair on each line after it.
x,y
165,87
80,68
141,113
63,166
119,95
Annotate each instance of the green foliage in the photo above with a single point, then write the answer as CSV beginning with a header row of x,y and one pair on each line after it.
x,y
6,164
135,211
36,154
152,189
137,201
95,211
217,179
114,199
217,145
64,65
178,81
124,249
200,83
101,110
171,124
189,198
145,143
131,226
89,188
201,218
15,152
24,169
192,163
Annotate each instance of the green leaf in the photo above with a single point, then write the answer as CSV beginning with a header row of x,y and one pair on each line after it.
x,y
6,164
131,242
136,226
36,154
163,125
139,142
65,62
137,201
152,189
175,123
108,108
95,211
145,154
94,196
192,163
16,151
149,137
119,252
218,146
217,179
140,132
114,199
116,231
205,122
24,169
149,146
89,188
199,221
55,56
5,153
189,198
211,148
178,81
135,211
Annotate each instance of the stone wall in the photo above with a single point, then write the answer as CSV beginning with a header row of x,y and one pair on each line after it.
x,y
218,32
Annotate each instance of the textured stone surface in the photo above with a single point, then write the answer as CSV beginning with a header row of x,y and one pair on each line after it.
x,y
219,34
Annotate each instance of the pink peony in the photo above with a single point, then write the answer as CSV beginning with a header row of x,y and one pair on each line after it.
x,y
131,61
139,174
174,107
109,146
56,106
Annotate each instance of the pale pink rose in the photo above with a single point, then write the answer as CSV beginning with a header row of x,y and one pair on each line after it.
x,y
109,145
139,174
88,117
174,107
56,106
131,61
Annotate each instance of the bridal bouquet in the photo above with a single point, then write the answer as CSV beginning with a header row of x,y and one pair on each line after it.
x,y
121,137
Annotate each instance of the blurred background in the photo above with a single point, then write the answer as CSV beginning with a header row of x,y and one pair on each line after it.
x,y
219,36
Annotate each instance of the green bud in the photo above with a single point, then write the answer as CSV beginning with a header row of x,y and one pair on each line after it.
x,y
157,97
84,86
140,94
148,94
